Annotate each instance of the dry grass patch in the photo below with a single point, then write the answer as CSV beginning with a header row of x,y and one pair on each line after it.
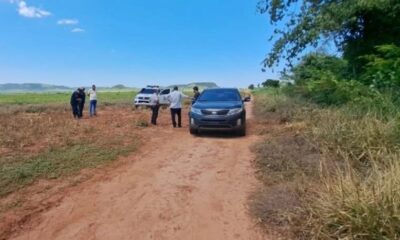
x,y
350,187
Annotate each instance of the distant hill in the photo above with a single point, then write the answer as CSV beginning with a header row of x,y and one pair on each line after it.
x,y
41,88
32,87
119,86
201,85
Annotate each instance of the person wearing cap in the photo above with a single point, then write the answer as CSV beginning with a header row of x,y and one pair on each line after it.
x,y
92,93
196,94
155,106
175,98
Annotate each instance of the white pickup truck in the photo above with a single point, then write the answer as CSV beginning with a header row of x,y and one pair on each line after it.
x,y
143,97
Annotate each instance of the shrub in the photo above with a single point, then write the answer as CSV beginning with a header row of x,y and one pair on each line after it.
x,y
271,83
382,70
313,65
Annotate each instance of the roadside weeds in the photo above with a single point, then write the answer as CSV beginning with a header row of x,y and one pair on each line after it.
x,y
328,173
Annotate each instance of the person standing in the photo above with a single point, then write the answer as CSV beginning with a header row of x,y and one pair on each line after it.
x,y
75,100
175,98
155,106
196,94
92,93
81,104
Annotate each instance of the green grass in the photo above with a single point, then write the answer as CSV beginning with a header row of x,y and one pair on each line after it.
x,y
54,98
55,163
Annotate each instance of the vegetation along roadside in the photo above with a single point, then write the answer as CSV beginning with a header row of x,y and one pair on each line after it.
x,y
329,160
331,150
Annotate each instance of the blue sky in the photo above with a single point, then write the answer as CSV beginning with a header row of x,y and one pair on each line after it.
x,y
136,42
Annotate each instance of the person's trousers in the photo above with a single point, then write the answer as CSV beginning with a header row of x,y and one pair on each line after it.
x,y
92,107
176,111
75,110
80,107
154,114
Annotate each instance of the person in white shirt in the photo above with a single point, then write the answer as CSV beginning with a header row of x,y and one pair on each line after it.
x,y
155,106
175,98
93,101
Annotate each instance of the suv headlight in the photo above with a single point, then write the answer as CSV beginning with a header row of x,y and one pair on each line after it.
x,y
235,111
195,110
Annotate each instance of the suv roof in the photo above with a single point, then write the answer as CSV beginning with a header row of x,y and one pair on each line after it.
x,y
220,94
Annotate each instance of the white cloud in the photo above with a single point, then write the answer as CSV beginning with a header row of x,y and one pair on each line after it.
x,y
78,30
30,11
68,21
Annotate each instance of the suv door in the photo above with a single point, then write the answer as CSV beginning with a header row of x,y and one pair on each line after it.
x,y
164,96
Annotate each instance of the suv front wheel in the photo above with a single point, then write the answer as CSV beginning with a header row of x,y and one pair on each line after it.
x,y
193,131
242,131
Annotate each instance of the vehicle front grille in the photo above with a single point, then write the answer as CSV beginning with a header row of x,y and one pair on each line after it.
x,y
219,112
216,126
213,120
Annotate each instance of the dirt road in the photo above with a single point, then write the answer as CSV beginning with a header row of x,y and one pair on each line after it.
x,y
176,187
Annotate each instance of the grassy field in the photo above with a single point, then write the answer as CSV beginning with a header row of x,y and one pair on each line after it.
x,y
54,98
39,139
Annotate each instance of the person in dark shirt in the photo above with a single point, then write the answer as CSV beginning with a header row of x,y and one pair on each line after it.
x,y
81,104
75,101
196,94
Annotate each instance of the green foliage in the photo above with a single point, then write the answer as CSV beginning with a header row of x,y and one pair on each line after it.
x,y
330,91
271,83
313,65
251,87
324,79
356,26
382,70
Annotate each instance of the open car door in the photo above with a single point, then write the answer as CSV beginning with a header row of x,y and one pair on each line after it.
x,y
164,96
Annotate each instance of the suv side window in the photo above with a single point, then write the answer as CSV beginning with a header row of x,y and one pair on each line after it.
x,y
165,91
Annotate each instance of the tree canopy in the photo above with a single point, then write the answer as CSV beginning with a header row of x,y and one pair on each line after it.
x,y
355,26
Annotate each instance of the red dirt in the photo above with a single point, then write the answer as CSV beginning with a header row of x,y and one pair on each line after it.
x,y
176,186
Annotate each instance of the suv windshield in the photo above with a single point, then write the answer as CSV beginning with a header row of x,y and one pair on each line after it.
x,y
220,95
148,90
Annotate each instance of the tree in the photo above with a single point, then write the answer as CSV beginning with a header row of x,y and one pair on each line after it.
x,y
251,87
271,83
355,26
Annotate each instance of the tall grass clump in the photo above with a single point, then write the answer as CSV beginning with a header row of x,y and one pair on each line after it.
x,y
362,139
349,206
361,199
